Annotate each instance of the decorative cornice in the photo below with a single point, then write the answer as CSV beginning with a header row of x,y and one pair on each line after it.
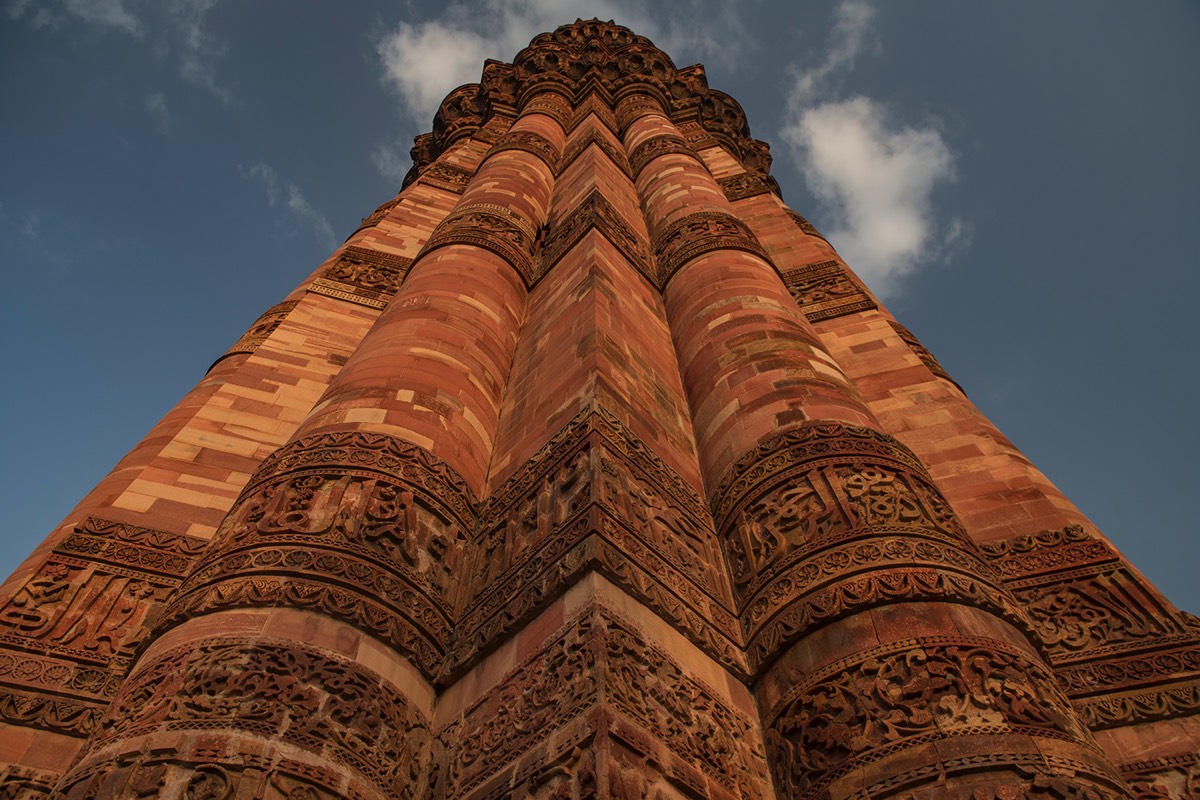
x,y
657,146
529,142
747,184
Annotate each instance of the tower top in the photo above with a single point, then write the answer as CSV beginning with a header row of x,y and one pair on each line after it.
x,y
592,57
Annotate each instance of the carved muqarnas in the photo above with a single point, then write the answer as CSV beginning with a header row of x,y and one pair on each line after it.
x,y
74,624
825,290
279,691
600,673
364,527
363,276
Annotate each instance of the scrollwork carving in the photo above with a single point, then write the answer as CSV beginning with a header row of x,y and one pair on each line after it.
x,y
533,143
747,184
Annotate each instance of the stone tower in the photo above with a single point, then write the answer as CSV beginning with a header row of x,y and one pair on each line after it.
x,y
586,468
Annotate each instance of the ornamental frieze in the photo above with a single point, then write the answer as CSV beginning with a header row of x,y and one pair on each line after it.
x,y
365,527
378,214
1164,778
262,328
21,783
491,227
747,184
1029,555
807,227
602,664
443,175
1165,702
905,695
1091,615
307,698
699,233
825,290
656,146
529,142
594,104
363,276
594,213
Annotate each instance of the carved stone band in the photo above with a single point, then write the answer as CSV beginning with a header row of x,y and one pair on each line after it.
x,y
362,527
657,146
912,693
529,142
700,233
279,691
491,227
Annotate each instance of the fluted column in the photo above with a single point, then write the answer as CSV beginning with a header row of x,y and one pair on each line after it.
x,y
886,657
301,652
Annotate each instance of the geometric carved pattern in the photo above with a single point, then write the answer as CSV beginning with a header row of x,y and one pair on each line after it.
x,y
364,527
262,328
828,519
491,227
74,625
699,233
363,276
600,669
824,290
922,353
909,694
595,497
594,212
279,691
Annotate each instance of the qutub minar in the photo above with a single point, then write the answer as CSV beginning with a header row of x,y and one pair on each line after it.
x,y
586,468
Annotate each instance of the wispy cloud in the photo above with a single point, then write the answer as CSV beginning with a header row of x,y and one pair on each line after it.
x,y
199,48
423,61
288,197
156,106
875,177
173,27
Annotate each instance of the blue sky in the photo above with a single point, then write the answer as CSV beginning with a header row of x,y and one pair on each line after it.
x,y
1020,180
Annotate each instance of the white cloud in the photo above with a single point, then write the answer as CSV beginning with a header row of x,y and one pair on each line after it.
x,y
156,105
391,160
287,195
874,177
